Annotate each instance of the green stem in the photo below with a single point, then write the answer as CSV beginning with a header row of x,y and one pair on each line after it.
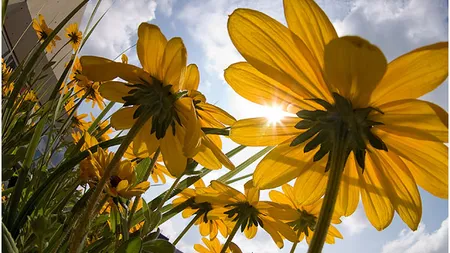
x,y
238,178
294,245
100,117
85,219
230,237
339,156
186,229
168,193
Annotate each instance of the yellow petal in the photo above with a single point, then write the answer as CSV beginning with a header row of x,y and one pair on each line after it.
x,y
191,133
413,74
261,132
250,232
275,51
207,159
114,91
172,153
122,186
354,67
218,154
219,114
204,228
145,143
191,78
281,165
375,200
174,61
348,196
400,186
251,192
228,191
207,120
123,118
217,213
150,48
124,170
412,118
188,212
429,161
261,89
310,24
311,182
279,197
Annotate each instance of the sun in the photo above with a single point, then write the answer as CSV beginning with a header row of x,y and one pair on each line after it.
x,y
274,114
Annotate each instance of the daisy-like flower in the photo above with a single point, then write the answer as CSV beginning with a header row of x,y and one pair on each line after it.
x,y
77,120
341,87
43,31
210,154
214,246
6,72
76,77
247,211
74,35
173,126
103,128
91,91
207,227
305,222
88,140
122,183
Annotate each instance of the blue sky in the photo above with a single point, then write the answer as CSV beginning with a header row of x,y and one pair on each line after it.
x,y
397,27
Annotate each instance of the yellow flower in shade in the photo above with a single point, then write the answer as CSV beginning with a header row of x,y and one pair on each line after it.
x,y
173,126
121,183
43,31
207,226
77,120
230,204
124,58
214,246
88,140
6,89
76,76
74,35
210,154
305,222
395,140
6,72
91,91
103,128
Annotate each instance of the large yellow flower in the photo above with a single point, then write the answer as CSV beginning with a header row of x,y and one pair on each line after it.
x,y
43,31
103,129
230,204
305,223
173,127
214,246
396,140
74,35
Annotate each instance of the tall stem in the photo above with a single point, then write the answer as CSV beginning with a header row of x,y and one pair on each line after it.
x,y
230,237
85,219
191,223
294,245
169,192
339,156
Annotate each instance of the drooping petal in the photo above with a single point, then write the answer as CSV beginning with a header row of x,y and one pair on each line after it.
x,y
429,160
114,91
412,118
310,24
191,78
174,61
400,186
123,118
275,51
261,89
219,114
281,165
251,232
172,153
150,48
413,74
311,182
354,67
261,132
218,154
348,196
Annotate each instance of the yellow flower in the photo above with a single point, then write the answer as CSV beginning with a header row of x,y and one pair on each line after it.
x,y
305,222
207,226
396,140
210,154
122,181
247,209
88,140
43,31
214,246
91,91
102,127
6,72
77,120
173,126
74,35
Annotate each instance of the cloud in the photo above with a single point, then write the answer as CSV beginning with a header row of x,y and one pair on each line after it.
x,y
355,223
420,241
166,7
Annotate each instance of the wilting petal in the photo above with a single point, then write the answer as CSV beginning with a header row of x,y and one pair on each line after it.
x,y
150,48
413,74
310,24
348,196
174,61
275,51
191,78
261,132
311,182
354,67
114,91
261,89
123,118
172,153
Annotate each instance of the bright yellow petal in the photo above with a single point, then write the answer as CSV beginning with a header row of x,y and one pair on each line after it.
x,y
192,130
204,228
218,154
280,198
261,132
413,74
228,191
400,186
150,48
122,186
412,118
354,67
219,114
191,78
251,192
429,160
275,51
123,118
261,89
172,153
311,182
207,159
281,165
310,24
348,196
124,171
250,232
145,143
114,91
174,61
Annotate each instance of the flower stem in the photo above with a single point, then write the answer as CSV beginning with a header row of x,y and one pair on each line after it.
x,y
192,222
166,197
86,218
339,156
294,245
230,237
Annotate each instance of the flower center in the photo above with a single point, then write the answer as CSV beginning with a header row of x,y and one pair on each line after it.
x,y
245,212
339,122
304,222
114,181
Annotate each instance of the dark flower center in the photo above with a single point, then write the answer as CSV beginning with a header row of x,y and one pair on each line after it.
x,y
114,181
304,222
245,212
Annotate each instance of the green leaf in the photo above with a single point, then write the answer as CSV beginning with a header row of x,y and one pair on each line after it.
x,y
158,246
113,217
8,244
133,245
141,168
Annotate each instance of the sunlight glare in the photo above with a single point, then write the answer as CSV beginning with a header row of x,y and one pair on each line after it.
x,y
274,114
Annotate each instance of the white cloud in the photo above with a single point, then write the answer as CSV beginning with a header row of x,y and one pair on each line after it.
x,y
354,224
420,241
166,7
